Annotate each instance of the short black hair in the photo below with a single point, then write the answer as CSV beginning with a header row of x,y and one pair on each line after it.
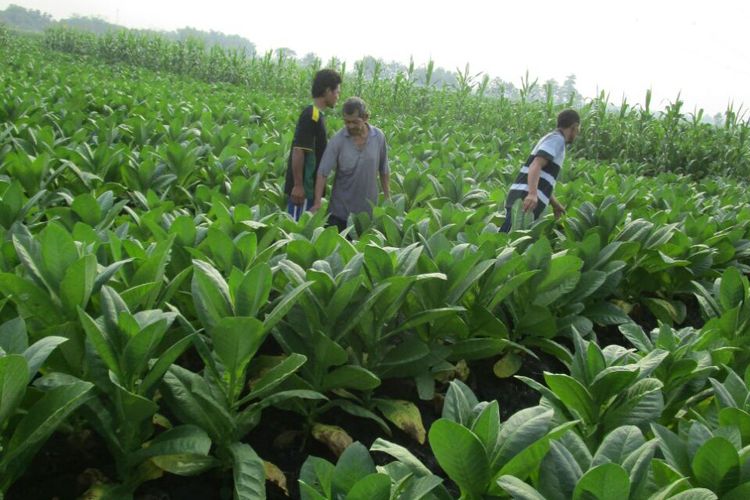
x,y
567,118
325,79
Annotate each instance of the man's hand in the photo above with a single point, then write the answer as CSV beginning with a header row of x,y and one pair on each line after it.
x,y
298,195
313,209
530,202
558,210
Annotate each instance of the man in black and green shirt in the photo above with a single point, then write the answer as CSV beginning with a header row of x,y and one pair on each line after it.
x,y
309,143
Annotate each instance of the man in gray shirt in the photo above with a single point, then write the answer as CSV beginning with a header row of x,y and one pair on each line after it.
x,y
358,153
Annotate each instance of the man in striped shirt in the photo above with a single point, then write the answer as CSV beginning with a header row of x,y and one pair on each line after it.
x,y
536,180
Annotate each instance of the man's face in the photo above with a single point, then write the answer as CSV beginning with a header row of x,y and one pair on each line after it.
x,y
355,124
332,96
572,132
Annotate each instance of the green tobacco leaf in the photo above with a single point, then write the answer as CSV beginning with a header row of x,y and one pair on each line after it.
x,y
401,454
575,396
716,465
731,291
236,340
210,294
353,465
459,403
373,487
42,419
518,489
253,291
78,283
274,377
58,251
618,444
461,455
38,353
607,481
248,472
180,440
14,376
350,377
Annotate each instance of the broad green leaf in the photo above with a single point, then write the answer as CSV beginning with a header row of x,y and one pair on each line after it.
x,y
13,336
14,376
140,349
31,301
235,341
252,293
716,465
210,294
618,444
575,396
38,353
607,481
353,465
373,487
58,251
78,283
316,475
673,448
518,489
695,494
274,377
401,454
732,291
350,377
461,455
248,472
520,431
459,403
282,308
559,472
163,363
181,440
42,419
100,343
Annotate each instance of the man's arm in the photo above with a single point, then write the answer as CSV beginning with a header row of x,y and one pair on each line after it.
x,y
385,183
557,207
298,167
328,164
385,171
320,185
535,170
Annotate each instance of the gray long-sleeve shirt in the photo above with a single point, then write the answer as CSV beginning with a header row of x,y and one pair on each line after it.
x,y
355,186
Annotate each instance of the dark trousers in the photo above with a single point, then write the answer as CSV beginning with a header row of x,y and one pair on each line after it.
x,y
335,221
505,228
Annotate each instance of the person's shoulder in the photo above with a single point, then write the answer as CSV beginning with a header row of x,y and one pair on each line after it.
x,y
308,113
338,136
377,132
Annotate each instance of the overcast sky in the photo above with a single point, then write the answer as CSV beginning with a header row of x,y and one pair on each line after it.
x,y
698,48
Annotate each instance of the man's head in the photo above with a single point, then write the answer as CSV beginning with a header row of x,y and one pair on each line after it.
x,y
569,124
355,116
327,85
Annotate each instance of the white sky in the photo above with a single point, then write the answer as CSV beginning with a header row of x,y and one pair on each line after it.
x,y
698,48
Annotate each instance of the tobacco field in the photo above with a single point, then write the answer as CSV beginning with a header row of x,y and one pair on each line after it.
x,y
168,331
